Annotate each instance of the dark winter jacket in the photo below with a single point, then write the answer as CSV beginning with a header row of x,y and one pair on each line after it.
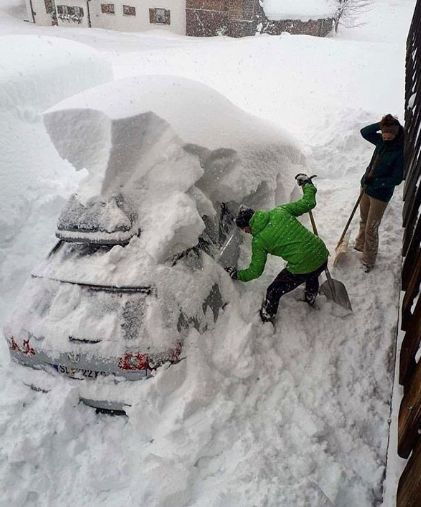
x,y
279,233
387,162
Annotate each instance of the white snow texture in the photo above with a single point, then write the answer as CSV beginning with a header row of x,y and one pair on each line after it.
x,y
298,417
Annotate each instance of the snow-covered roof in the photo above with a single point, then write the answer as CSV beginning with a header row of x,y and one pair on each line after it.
x,y
299,9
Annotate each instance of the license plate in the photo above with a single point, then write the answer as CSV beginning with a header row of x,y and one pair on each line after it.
x,y
78,373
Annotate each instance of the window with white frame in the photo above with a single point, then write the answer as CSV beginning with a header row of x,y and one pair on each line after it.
x,y
107,9
128,10
70,13
159,16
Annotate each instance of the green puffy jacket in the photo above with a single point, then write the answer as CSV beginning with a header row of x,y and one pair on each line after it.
x,y
279,233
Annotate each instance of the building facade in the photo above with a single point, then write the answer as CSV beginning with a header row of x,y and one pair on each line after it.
x,y
197,18
122,15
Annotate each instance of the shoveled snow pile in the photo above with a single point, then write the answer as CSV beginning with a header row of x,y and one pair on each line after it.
x,y
299,9
35,73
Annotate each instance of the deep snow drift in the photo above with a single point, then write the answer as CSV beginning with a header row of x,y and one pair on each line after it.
x,y
294,419
34,180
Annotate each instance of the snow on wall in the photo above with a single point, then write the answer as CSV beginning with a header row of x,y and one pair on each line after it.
x,y
299,9
34,180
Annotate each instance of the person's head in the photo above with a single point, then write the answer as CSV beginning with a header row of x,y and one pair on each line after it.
x,y
243,219
389,126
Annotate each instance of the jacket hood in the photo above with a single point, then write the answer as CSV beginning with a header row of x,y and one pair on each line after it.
x,y
259,221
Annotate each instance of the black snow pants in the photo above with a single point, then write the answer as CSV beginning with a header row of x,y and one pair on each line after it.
x,y
286,282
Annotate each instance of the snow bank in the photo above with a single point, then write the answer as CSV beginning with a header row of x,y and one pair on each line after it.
x,y
299,9
38,71
35,73
176,148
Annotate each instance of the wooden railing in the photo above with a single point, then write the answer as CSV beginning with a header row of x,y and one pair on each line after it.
x,y
409,437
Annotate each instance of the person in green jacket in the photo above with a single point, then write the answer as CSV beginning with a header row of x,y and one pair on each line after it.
x,y
278,232
384,172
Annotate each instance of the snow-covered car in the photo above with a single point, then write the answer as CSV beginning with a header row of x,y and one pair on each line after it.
x,y
141,246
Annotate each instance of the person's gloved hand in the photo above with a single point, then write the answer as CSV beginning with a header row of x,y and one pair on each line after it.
x,y
303,178
232,272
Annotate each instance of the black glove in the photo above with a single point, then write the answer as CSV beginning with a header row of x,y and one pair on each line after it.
x,y
302,179
232,272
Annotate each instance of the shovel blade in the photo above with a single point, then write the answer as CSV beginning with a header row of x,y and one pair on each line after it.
x,y
336,291
341,249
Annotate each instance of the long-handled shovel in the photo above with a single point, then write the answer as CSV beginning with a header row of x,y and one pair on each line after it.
x,y
331,288
342,246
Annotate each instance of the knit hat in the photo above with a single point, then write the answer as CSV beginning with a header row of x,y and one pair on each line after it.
x,y
244,217
389,125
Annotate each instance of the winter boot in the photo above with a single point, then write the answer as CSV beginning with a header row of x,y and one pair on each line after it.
x,y
266,317
310,298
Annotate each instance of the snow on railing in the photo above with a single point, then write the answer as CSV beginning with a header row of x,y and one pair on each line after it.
x,y
409,438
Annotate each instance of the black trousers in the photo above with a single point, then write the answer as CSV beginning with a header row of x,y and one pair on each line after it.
x,y
286,282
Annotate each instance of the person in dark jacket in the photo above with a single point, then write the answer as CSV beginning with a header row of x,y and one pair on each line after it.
x,y
384,172
278,232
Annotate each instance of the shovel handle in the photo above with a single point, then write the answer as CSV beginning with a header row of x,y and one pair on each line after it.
x,y
350,218
328,276
313,223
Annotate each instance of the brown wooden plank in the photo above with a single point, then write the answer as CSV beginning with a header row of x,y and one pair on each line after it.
x,y
411,251
410,415
413,289
412,169
411,206
409,488
412,235
410,345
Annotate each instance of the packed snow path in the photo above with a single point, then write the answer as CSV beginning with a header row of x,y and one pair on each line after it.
x,y
250,418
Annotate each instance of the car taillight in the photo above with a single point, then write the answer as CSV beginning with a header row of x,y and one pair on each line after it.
x,y
138,361
26,346
134,361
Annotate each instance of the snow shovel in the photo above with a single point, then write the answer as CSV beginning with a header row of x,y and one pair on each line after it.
x,y
342,246
331,288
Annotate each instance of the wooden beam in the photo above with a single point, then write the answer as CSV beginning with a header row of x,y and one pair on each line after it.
x,y
410,415
410,345
409,488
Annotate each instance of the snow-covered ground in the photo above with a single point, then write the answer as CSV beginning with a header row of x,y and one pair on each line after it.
x,y
298,418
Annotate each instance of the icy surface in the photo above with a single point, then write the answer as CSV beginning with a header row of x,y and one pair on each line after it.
x,y
294,419
299,9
